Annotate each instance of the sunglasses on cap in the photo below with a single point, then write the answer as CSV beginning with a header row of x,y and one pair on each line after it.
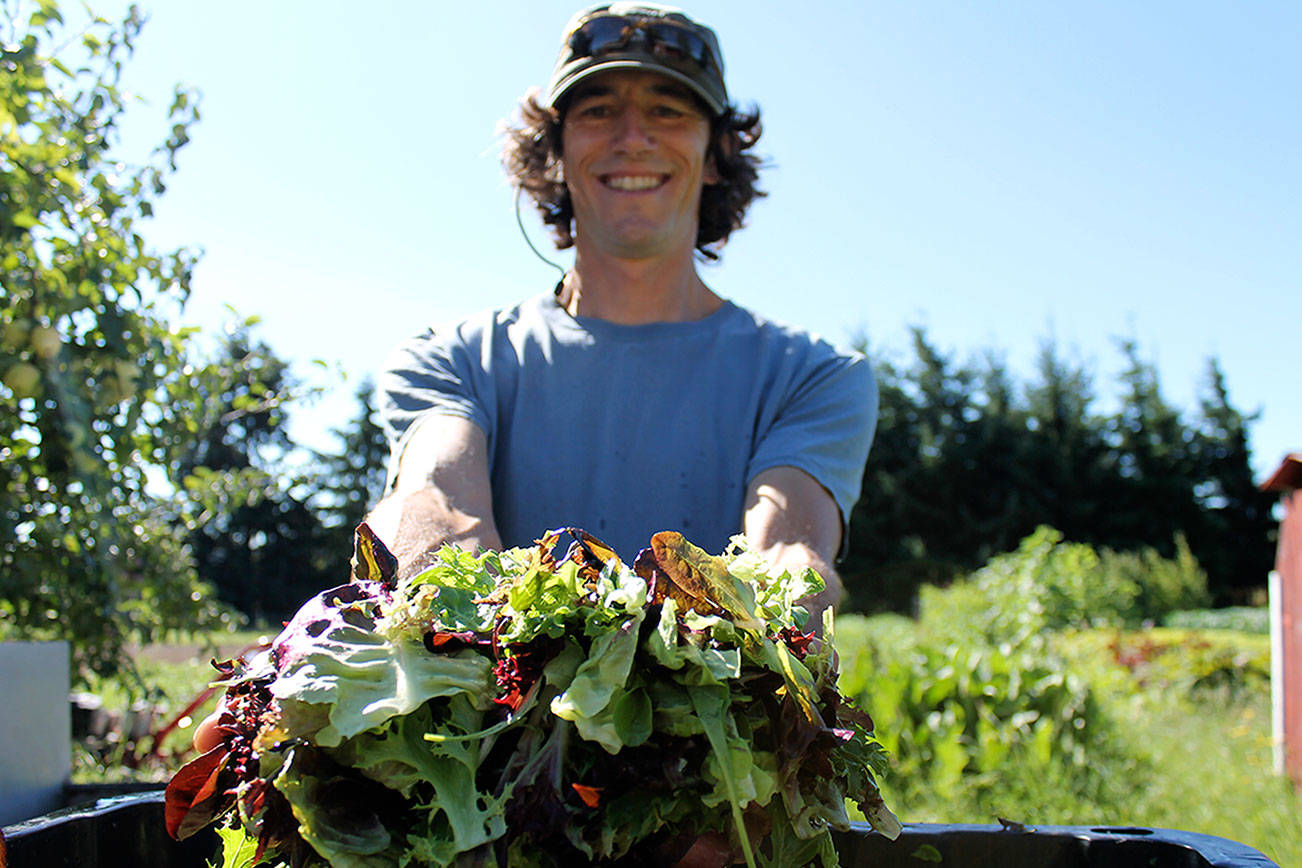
x,y
668,42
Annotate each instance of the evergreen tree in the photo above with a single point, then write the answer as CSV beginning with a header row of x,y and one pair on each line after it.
x,y
993,467
1067,454
260,549
1150,497
1236,546
350,481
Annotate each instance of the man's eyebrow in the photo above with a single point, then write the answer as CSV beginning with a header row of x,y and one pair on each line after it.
x,y
667,88
589,91
673,89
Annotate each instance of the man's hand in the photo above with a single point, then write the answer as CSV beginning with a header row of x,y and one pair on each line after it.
x,y
794,522
442,494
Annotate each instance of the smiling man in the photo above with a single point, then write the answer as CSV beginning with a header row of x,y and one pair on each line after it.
x,y
630,398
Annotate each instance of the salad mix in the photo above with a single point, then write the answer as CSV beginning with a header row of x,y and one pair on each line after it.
x,y
524,709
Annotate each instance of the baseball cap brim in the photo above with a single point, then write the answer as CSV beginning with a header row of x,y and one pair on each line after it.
x,y
566,79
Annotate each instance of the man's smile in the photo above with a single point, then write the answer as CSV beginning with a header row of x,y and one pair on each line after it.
x,y
634,183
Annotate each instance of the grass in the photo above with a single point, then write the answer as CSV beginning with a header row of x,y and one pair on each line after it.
x,y
1213,760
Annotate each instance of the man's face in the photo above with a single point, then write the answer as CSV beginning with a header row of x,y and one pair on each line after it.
x,y
634,154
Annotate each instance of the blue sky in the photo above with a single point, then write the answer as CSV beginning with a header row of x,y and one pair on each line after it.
x,y
996,172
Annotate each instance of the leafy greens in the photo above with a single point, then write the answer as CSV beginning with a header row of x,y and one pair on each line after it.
x,y
515,709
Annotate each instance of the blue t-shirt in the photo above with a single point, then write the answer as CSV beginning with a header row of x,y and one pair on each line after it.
x,y
629,430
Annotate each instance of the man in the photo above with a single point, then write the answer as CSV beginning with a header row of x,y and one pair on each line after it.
x,y
632,398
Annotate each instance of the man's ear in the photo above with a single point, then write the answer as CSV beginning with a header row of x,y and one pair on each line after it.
x,y
723,148
711,174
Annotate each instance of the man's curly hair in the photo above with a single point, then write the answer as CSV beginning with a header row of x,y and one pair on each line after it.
x,y
531,155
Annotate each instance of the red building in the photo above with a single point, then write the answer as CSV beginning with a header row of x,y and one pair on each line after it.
x,y
1288,563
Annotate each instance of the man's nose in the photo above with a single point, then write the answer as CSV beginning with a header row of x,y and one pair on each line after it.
x,y
632,132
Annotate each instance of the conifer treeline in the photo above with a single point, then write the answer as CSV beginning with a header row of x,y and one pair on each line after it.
x,y
967,461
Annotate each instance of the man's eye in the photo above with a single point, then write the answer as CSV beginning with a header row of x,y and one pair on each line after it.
x,y
596,111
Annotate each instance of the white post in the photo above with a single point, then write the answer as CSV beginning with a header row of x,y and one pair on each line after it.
x,y
35,729
1276,673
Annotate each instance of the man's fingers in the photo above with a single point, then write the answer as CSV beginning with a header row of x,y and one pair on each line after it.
x,y
207,735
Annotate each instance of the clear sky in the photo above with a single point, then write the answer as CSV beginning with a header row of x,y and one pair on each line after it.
x,y
997,172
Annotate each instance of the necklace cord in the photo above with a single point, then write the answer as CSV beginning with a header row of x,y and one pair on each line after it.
x,y
519,221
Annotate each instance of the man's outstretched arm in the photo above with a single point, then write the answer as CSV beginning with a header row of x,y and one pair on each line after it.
x,y
794,522
441,494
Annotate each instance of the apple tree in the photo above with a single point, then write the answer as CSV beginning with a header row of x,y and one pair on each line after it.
x,y
100,395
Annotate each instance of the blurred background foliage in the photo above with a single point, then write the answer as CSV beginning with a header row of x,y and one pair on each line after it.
x,y
967,461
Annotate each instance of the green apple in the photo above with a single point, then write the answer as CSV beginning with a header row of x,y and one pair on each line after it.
x,y
15,334
46,342
23,379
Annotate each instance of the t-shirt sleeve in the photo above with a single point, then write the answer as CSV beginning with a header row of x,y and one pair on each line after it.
x,y
825,427
432,374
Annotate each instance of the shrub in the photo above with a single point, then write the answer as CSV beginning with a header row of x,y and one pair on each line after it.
x,y
1049,584
1162,585
976,701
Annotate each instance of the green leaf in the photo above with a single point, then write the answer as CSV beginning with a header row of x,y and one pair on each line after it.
x,y
366,680
927,853
711,704
239,848
633,717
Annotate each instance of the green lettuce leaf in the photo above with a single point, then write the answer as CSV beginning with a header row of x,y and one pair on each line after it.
x,y
587,700
459,817
711,704
341,817
366,680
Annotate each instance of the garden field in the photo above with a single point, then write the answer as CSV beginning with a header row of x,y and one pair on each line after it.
x,y
1170,755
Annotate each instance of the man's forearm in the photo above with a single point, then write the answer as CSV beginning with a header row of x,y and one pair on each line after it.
x,y
796,557
441,495
794,523
415,524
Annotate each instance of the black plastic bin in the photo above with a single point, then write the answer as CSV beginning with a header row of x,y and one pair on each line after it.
x,y
128,831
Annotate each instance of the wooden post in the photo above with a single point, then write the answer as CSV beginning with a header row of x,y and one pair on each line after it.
x,y
1288,564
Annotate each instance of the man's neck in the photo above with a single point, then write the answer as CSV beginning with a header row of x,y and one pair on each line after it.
x,y
636,291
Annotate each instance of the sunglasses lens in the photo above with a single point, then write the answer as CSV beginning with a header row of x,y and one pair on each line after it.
x,y
613,33
601,35
677,43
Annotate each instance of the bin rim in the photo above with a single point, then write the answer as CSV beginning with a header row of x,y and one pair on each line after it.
x,y
1218,852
